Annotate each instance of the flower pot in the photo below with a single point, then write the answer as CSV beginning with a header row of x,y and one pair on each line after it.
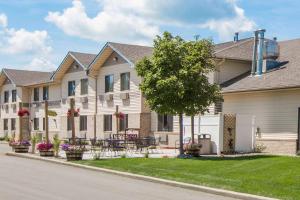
x,y
74,155
21,148
46,153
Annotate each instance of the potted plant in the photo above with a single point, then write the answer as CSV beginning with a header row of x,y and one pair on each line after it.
x,y
45,149
20,146
73,152
193,149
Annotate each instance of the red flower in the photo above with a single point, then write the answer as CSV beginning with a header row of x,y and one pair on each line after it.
x,y
76,113
22,112
120,115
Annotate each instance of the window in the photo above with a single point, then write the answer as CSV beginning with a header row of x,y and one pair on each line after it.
x,y
107,122
123,123
14,95
165,123
6,96
71,88
84,86
44,123
83,123
69,126
35,124
13,124
36,94
109,83
5,124
125,81
45,93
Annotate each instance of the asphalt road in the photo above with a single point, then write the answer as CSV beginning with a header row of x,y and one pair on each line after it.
x,y
31,179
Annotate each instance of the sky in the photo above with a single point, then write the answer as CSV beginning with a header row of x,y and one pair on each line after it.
x,y
37,34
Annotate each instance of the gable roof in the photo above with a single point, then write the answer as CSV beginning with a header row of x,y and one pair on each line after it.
x,y
26,77
83,59
287,76
133,53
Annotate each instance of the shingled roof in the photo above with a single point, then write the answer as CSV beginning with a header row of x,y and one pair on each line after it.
x,y
84,58
132,52
26,77
286,76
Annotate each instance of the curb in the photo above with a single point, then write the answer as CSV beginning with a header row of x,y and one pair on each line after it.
x,y
221,192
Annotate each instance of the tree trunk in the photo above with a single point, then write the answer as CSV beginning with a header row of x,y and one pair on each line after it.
x,y
20,124
192,129
180,135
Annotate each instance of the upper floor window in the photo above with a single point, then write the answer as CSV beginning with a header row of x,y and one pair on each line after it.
x,y
84,86
14,95
109,83
165,123
71,88
125,81
83,122
107,122
123,123
45,93
6,96
36,94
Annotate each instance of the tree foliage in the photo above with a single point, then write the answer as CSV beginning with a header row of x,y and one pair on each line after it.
x,y
175,79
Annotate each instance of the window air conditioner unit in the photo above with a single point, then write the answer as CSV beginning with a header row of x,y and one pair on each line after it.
x,y
101,97
83,99
14,106
109,97
34,105
124,95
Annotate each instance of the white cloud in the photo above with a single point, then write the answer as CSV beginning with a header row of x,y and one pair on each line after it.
x,y
138,21
41,64
25,44
106,26
3,20
226,27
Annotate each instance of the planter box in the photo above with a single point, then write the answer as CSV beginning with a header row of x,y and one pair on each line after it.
x,y
74,155
21,148
49,153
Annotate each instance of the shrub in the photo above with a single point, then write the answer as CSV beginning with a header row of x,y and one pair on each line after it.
x,y
259,148
56,144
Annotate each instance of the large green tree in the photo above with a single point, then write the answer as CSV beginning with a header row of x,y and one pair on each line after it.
x,y
175,78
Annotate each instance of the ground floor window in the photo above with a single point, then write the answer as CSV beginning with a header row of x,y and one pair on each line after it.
x,y
123,123
13,124
69,126
83,123
5,124
107,122
165,123
36,124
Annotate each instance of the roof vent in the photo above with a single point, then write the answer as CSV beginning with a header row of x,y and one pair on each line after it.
x,y
236,37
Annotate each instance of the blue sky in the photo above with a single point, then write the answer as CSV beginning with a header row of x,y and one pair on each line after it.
x,y
37,34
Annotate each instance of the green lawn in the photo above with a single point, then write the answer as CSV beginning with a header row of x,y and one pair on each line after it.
x,y
272,176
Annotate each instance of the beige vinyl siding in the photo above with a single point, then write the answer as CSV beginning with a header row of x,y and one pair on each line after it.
x,y
133,105
230,69
276,112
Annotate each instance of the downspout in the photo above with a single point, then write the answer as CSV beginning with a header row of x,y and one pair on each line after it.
x,y
260,51
254,56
